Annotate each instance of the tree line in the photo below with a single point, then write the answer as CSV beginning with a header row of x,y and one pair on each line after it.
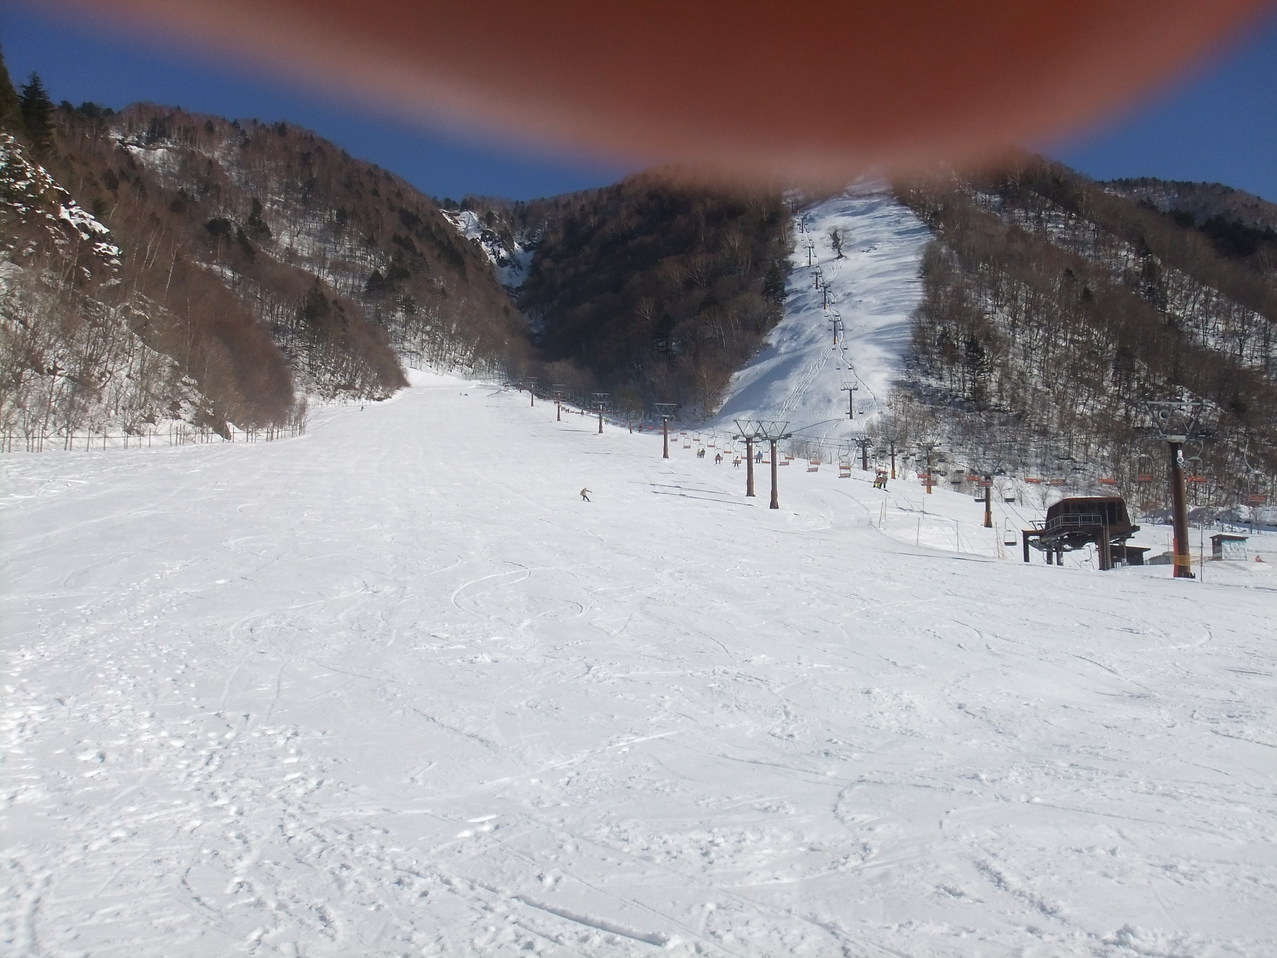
x,y
658,288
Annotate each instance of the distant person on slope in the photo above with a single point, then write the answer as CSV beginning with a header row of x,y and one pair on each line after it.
x,y
585,494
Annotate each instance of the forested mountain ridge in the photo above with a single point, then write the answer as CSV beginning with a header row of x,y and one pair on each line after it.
x,y
1056,309
1202,203
256,264
72,349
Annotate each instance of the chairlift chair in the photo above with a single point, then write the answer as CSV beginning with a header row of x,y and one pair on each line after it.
x,y
1255,493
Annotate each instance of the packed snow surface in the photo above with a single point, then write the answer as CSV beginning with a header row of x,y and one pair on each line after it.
x,y
395,688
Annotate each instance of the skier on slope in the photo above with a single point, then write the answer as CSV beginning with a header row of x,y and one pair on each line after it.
x,y
585,494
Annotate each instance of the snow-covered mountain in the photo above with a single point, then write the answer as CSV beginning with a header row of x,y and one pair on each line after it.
x,y
394,687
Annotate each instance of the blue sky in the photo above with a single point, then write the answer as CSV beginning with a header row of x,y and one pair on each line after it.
x,y
85,62
1218,124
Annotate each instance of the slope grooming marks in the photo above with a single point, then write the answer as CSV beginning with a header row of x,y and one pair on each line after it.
x,y
372,691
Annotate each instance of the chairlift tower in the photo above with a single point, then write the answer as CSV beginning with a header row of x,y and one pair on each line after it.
x,y
749,433
989,464
890,432
773,430
926,449
532,391
666,411
559,392
863,442
1174,423
849,387
600,400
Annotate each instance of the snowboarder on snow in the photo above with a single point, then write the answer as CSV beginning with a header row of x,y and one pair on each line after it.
x,y
585,494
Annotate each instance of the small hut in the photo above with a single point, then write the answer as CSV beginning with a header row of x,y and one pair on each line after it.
x,y
1228,545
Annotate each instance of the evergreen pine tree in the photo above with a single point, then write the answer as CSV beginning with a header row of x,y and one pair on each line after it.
x,y
37,115
10,107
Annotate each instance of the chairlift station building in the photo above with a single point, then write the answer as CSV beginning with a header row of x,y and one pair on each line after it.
x,y
1074,523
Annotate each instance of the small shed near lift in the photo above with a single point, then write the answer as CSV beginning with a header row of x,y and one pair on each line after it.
x,y
1080,521
1228,545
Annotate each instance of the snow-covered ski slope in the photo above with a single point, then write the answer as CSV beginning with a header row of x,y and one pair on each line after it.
x,y
846,320
393,688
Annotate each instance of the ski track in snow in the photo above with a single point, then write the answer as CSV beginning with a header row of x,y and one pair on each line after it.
x,y
392,688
